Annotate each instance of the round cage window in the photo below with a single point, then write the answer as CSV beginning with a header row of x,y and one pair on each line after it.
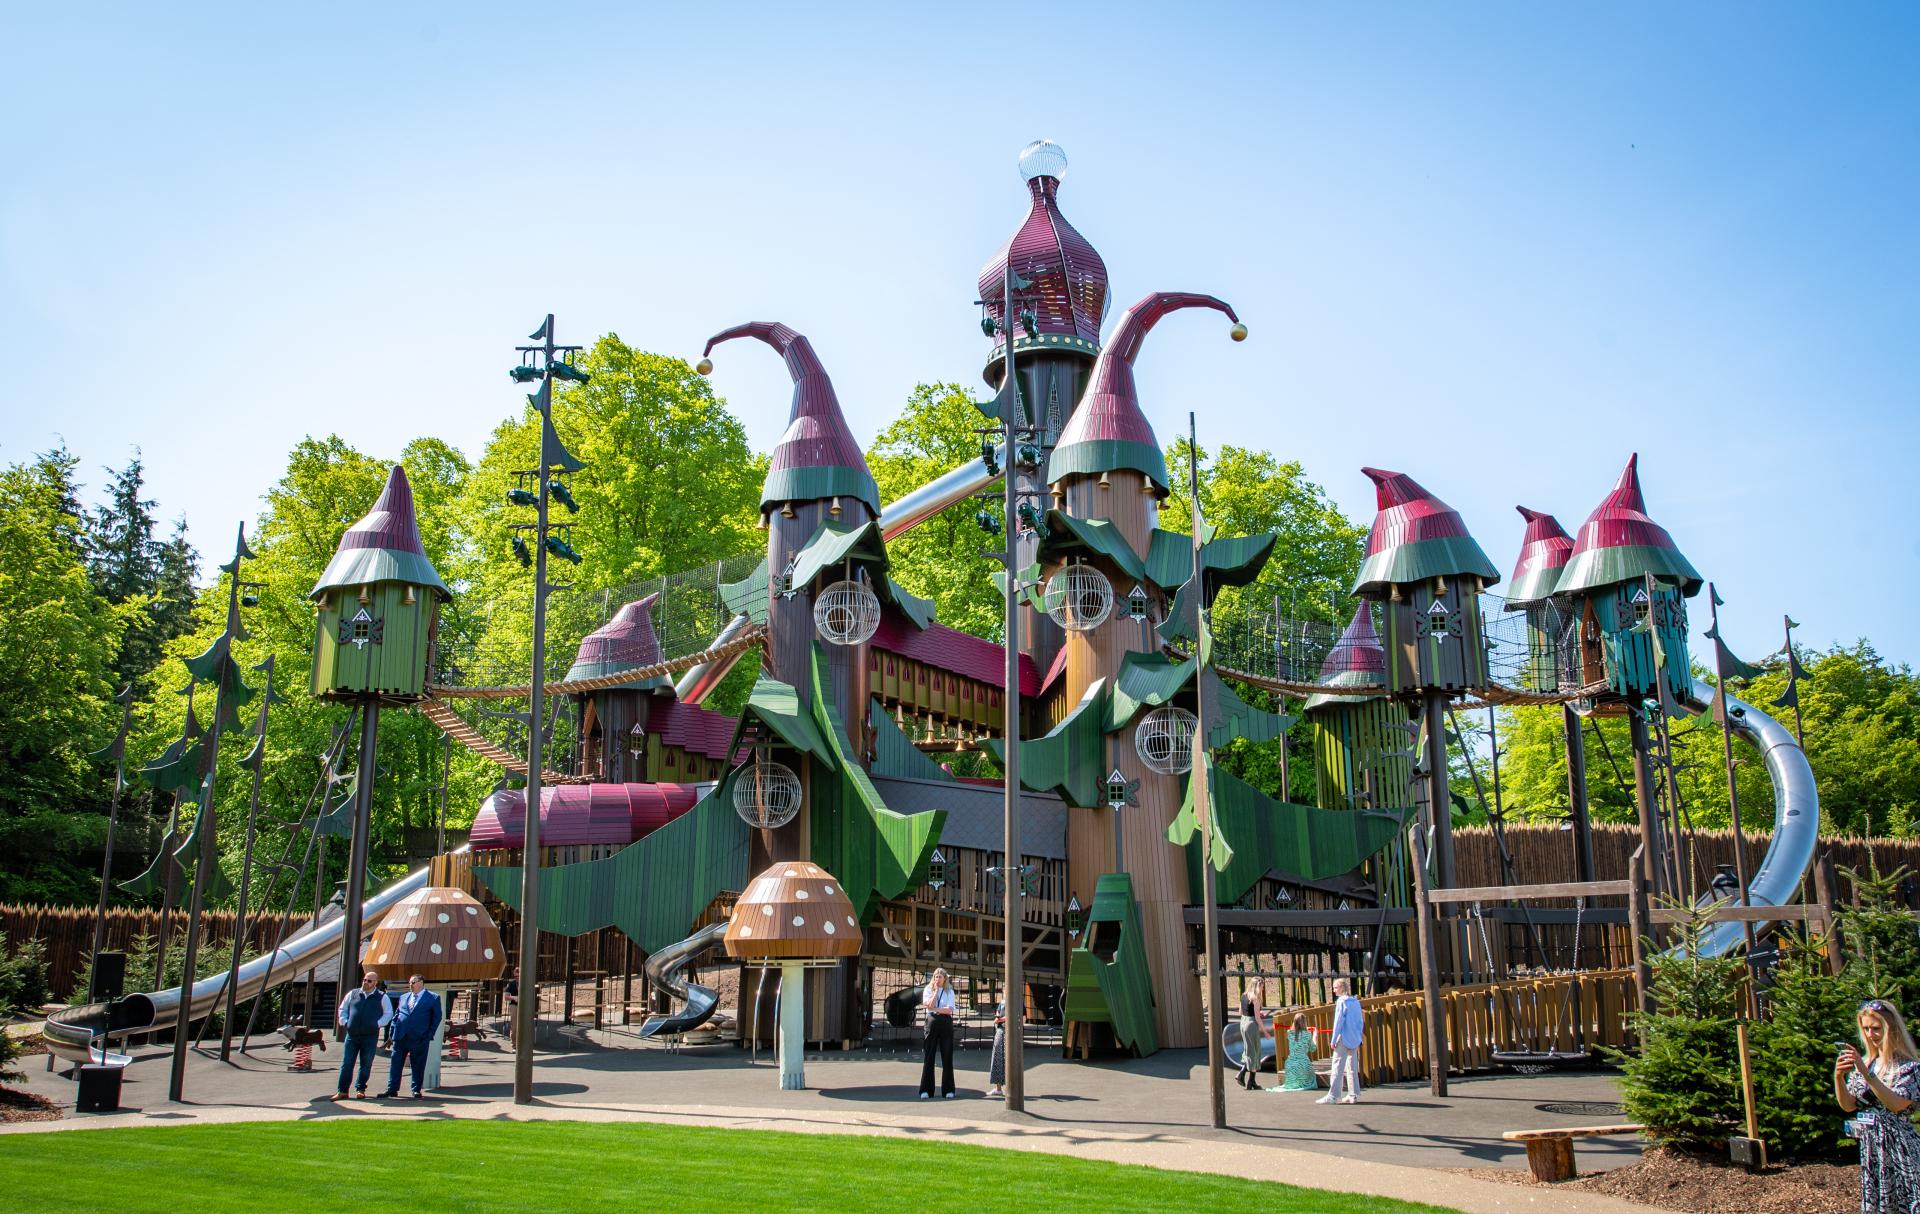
x,y
1164,740
847,613
767,794
1078,598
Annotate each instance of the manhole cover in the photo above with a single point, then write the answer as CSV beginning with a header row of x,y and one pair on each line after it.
x,y
1583,1108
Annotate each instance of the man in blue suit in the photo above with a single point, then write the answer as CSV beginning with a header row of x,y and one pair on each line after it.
x,y
415,1021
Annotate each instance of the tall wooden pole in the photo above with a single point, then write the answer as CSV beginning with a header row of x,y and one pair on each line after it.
x,y
1423,923
1203,810
1733,791
365,776
1016,1086
1570,729
1650,848
256,762
205,821
118,752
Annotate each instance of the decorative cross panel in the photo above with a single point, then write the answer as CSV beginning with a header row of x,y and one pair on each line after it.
x,y
361,628
1439,623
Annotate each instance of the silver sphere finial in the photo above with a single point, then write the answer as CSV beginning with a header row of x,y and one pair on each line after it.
x,y
1043,158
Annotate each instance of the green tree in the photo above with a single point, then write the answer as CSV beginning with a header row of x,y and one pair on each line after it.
x,y
945,558
1683,1083
130,566
1314,561
1809,1009
1882,950
58,640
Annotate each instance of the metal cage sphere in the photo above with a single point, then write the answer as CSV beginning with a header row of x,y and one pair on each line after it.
x,y
847,613
1164,740
1078,598
767,795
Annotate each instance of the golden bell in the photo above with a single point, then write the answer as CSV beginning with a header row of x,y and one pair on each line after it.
x,y
366,595
1238,333
786,509
834,509
705,365
1104,482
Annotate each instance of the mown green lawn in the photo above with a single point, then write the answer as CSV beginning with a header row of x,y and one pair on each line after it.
x,y
478,1167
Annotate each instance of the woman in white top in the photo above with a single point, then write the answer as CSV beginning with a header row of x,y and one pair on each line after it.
x,y
938,1003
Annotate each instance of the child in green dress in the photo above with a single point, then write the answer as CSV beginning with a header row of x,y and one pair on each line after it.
x,y
1299,1075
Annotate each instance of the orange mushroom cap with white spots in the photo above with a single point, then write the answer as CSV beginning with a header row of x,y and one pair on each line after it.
x,y
795,910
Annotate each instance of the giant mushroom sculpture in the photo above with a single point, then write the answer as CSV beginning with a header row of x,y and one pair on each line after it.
x,y
444,935
794,916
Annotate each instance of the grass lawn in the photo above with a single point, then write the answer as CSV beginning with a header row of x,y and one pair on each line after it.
x,y
476,1167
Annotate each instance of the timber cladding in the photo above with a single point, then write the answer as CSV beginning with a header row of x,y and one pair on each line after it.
x,y
67,933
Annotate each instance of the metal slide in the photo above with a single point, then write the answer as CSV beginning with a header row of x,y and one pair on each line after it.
x,y
896,519
71,1034
1796,813
664,967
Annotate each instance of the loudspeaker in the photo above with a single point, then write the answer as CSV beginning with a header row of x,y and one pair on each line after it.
x,y
109,979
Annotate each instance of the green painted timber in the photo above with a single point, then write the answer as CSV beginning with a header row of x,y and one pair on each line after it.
x,y
1107,977
877,853
777,706
1629,632
836,545
1093,456
381,646
365,566
1071,759
1231,717
817,484
1599,568
1428,650
1451,556
1297,841
1145,680
1231,560
1069,537
748,596
894,752
1357,739
654,889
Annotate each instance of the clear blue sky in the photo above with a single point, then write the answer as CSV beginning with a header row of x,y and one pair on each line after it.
x,y
1495,246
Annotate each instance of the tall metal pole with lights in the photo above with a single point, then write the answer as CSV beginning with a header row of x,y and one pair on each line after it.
x,y
117,751
1016,1087
545,362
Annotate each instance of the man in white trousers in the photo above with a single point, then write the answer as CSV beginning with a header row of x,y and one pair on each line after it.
x,y
1349,1027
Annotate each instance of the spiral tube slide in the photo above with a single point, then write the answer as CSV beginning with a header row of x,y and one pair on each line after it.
x,y
1796,813
664,967
70,1034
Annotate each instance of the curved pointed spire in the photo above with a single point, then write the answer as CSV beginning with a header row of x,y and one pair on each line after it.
x,y
384,546
817,457
1108,431
1067,280
625,642
1544,550
1416,536
1619,543
1357,659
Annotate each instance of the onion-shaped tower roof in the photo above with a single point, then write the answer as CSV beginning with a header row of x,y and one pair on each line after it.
x,y
1544,551
1619,543
1067,280
1416,536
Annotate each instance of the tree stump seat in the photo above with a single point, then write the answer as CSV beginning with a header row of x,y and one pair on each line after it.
x,y
1550,1152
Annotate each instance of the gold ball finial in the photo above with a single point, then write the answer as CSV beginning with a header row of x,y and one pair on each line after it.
x,y
1238,332
705,366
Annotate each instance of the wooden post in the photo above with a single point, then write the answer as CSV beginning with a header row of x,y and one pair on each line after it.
x,y
1637,925
1577,793
1823,883
1755,1153
1649,851
1429,968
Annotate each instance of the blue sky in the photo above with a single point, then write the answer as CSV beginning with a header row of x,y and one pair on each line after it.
x,y
1495,246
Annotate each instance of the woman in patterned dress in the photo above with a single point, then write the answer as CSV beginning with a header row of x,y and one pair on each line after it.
x,y
1299,1072
1880,1086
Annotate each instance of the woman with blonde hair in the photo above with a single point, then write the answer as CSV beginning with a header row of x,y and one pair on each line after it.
x,y
1880,1087
938,1003
1251,1030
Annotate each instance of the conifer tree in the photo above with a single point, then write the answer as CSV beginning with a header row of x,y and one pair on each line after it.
x,y
1794,1051
1882,946
1683,1083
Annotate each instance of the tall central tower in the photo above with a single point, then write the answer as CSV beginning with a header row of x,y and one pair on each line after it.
x,y
1060,301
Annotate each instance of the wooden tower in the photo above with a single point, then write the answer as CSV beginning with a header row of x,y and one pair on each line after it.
x,y
613,720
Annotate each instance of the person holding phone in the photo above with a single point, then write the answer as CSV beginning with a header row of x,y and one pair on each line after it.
x,y
1880,1086
938,1003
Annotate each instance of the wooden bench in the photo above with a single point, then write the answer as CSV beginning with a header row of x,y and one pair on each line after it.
x,y
1550,1152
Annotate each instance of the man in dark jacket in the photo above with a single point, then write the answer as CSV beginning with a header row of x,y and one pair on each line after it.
x,y
414,1026
363,1013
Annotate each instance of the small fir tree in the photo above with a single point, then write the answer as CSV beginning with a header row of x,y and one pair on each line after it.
x,y
1793,1051
1683,1084
1880,939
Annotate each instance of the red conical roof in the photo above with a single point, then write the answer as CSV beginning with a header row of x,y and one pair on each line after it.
x,y
817,457
1068,291
1108,431
1416,536
1544,550
1357,659
625,642
384,546
1619,543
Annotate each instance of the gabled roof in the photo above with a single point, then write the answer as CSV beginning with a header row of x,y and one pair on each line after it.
x,y
954,651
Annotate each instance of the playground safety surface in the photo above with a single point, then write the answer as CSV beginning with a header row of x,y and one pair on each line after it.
x,y
1152,1111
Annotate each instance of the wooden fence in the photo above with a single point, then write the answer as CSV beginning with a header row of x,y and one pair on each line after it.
x,y
1562,1012
67,933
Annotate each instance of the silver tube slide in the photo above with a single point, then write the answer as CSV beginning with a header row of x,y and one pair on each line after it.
x,y
1796,813
896,519
69,1034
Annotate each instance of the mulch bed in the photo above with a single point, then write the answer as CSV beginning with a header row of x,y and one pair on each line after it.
x,y
27,1106
1673,1179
